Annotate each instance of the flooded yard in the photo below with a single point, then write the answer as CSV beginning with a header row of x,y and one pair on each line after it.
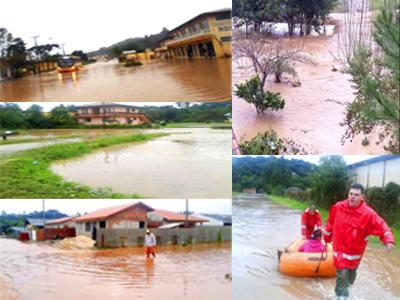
x,y
42,271
261,227
199,80
312,111
192,162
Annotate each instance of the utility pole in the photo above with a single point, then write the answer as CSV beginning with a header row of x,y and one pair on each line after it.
x,y
35,38
63,48
187,214
44,219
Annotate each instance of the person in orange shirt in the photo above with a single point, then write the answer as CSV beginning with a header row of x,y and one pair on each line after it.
x,y
310,220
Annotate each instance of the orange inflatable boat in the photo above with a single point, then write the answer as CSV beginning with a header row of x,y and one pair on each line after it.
x,y
304,264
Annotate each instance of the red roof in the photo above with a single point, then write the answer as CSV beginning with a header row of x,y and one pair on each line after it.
x,y
105,213
60,221
175,217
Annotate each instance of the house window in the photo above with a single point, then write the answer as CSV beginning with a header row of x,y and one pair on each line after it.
x,y
102,224
226,39
224,16
87,120
87,226
205,25
141,224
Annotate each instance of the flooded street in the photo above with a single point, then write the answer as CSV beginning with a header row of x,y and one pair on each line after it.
x,y
312,111
199,80
261,227
191,162
41,271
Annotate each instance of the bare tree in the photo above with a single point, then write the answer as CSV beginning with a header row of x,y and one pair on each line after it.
x,y
266,55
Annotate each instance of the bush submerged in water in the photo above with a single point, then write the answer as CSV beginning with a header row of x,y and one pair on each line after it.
x,y
252,92
268,143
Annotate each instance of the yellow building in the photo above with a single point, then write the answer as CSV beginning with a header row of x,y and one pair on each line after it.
x,y
205,36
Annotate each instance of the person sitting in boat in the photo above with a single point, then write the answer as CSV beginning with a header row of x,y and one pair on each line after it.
x,y
314,244
310,220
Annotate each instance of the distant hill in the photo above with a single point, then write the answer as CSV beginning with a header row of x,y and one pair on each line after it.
x,y
137,43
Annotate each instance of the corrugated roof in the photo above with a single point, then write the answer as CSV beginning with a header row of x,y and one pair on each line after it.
x,y
105,213
60,221
105,104
175,217
35,222
372,160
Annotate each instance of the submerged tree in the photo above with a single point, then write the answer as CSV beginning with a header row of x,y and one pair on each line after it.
x,y
252,92
377,81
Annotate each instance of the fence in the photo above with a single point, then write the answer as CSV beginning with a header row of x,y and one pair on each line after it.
x,y
176,236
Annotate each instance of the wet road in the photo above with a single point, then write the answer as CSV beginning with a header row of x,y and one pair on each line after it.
x,y
200,80
189,163
40,271
261,227
313,111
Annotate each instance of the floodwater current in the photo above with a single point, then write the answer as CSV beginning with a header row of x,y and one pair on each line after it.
x,y
189,163
200,80
261,227
313,112
35,271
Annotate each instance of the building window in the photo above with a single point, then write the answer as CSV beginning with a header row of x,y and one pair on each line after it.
x,y
224,28
102,224
88,120
141,224
87,226
205,25
226,39
224,16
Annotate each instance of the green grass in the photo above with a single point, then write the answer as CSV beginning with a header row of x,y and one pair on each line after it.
x,y
33,140
299,205
214,125
27,174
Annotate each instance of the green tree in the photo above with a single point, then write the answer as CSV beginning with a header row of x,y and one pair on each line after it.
x,y
61,118
35,117
330,182
11,116
252,93
377,83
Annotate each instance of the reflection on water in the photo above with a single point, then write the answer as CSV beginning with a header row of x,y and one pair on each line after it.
x,y
312,111
200,80
41,271
189,163
261,227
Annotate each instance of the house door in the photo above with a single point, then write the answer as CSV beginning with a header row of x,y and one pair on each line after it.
x,y
142,224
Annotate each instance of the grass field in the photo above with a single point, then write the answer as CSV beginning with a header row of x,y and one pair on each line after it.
x,y
27,174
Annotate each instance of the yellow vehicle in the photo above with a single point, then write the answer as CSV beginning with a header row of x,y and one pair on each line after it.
x,y
67,64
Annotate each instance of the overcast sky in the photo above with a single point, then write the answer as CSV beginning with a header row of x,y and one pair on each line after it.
x,y
88,25
47,106
73,206
349,159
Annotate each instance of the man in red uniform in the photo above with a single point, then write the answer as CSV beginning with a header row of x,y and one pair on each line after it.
x,y
349,224
310,220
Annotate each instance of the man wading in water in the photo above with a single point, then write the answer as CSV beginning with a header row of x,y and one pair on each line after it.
x,y
150,243
349,224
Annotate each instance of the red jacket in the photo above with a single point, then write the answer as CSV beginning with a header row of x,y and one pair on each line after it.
x,y
348,228
309,221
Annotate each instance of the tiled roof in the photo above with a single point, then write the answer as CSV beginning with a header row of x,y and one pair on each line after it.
x,y
175,217
105,104
105,213
60,221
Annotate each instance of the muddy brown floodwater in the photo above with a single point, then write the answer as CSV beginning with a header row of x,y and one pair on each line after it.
x,y
261,227
189,163
313,111
200,80
41,271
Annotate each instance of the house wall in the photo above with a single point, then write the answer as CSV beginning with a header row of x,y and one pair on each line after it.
x,y
134,237
377,174
116,120
128,219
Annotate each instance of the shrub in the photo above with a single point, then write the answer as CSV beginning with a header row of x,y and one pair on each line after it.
x,y
252,92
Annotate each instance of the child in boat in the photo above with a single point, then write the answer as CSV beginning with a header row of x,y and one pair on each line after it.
x,y
314,244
